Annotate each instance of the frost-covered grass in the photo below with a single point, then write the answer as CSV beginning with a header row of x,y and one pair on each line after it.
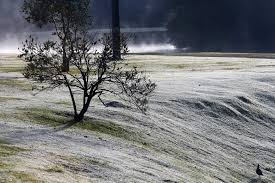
x,y
55,169
7,164
55,118
6,149
7,98
211,119
156,63
216,54
11,69
14,83
10,63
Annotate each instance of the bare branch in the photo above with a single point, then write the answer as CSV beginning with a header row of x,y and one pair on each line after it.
x,y
99,97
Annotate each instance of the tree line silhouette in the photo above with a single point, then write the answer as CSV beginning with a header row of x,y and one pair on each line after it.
x,y
228,25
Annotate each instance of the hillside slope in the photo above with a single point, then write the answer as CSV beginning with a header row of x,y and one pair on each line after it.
x,y
212,119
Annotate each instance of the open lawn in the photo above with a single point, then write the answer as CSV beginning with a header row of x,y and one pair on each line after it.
x,y
211,120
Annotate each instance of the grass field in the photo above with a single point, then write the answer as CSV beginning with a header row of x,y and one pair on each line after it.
x,y
211,120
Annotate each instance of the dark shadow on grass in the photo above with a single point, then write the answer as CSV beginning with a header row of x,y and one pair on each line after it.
x,y
67,125
60,120
17,135
257,180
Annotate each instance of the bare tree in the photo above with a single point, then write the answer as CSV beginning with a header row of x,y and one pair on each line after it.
x,y
95,73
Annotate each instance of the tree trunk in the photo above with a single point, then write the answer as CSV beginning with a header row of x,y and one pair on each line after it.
x,y
65,66
116,30
65,62
78,118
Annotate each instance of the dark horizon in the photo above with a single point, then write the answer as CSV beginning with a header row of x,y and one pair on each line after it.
x,y
227,26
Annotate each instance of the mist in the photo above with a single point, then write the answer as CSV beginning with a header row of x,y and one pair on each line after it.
x,y
13,27
151,35
220,26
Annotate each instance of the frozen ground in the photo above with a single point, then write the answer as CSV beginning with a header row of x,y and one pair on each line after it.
x,y
212,119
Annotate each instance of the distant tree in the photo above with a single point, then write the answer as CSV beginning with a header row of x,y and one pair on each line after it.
x,y
93,73
116,30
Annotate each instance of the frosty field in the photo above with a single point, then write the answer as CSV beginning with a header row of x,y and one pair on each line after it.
x,y
211,120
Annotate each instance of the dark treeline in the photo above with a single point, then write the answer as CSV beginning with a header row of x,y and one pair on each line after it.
x,y
141,13
227,25
203,25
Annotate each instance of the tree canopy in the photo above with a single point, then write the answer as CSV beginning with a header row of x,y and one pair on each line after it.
x,y
65,16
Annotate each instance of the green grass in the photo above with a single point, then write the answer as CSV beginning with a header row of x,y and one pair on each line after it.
x,y
53,118
75,71
9,150
76,163
176,66
212,54
4,115
11,69
23,177
54,169
4,166
65,103
23,85
7,167
8,98
17,177
43,116
108,128
2,141
5,173
131,65
199,65
6,149
97,162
